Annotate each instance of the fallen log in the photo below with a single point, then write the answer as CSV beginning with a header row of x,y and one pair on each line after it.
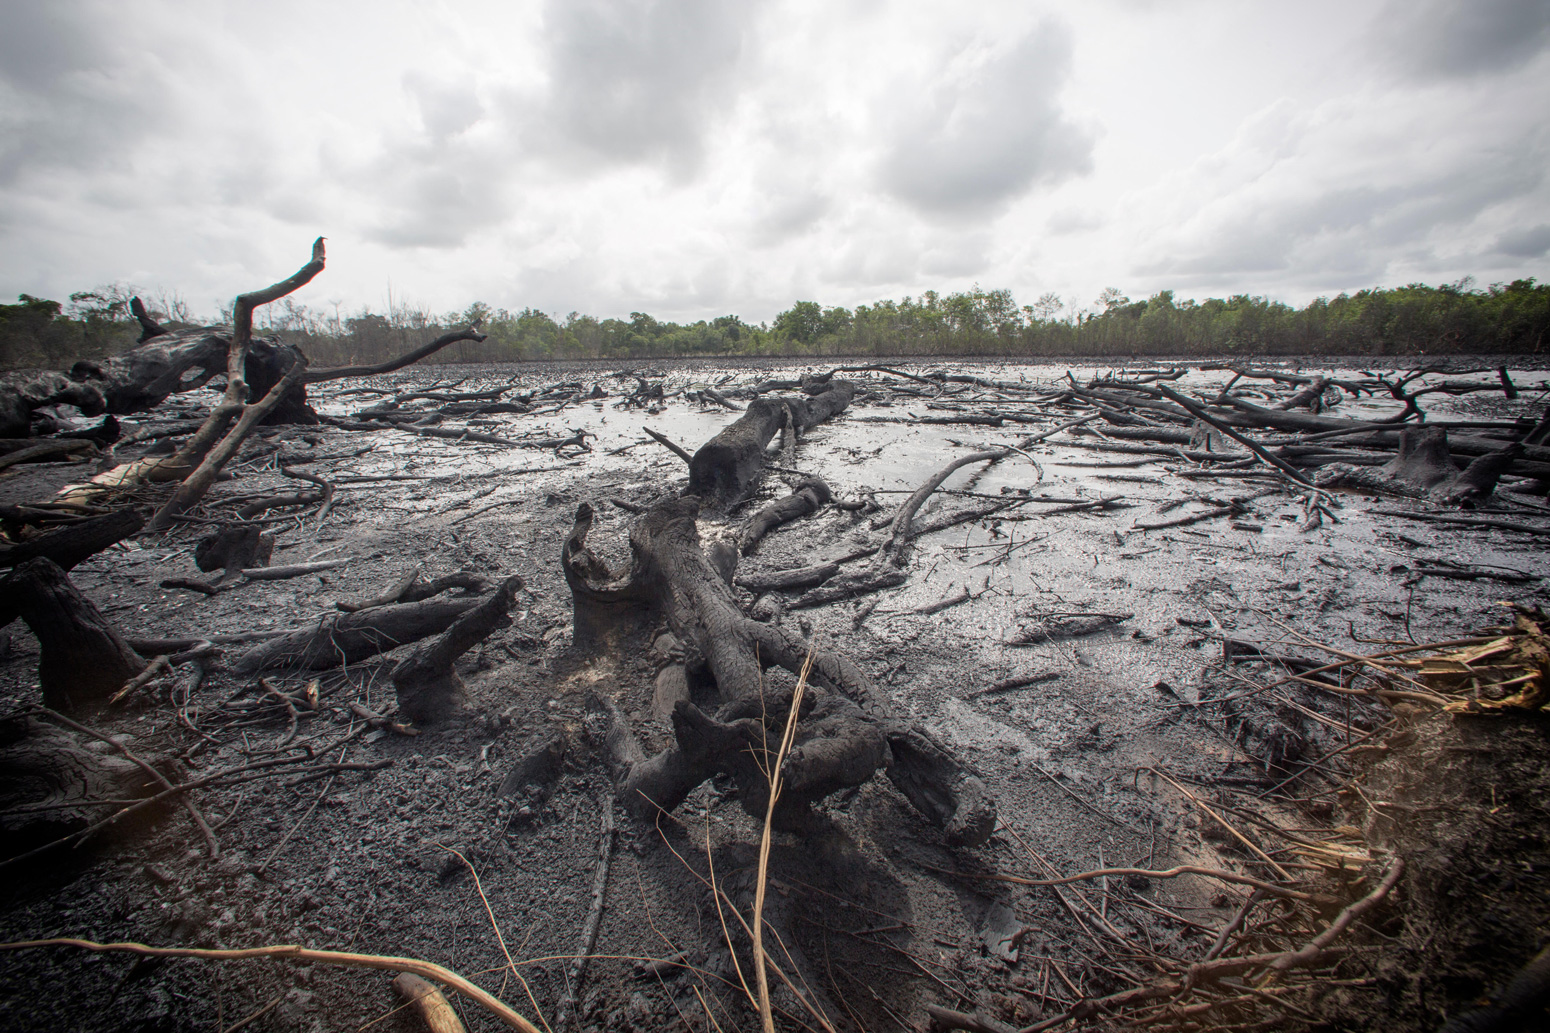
x,y
75,542
47,452
726,466
350,638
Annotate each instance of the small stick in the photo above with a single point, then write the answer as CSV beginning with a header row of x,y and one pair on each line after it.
x,y
292,570
1240,837
1008,684
1170,873
1233,926
155,669
578,967
1310,953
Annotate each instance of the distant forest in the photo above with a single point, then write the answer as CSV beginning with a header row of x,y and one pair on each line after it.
x,y
1454,319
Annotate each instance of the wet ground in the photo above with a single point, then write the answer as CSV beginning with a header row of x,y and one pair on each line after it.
x,y
359,861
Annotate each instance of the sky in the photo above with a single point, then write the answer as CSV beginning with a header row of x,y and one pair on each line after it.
x,y
692,158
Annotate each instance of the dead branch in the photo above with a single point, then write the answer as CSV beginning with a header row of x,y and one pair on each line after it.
x,y
318,376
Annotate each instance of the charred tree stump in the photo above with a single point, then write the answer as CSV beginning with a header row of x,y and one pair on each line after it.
x,y
84,661
728,464
234,547
428,686
268,361
1425,468
849,733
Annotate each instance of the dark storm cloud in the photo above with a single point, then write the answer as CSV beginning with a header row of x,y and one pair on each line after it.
x,y
979,142
640,80
1449,39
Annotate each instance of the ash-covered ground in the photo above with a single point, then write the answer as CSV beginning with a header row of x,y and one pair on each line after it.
x,y
1085,765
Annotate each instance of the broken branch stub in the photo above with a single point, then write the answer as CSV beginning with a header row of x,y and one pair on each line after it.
x,y
428,686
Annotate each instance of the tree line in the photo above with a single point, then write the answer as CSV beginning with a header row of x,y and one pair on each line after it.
x,y
1457,318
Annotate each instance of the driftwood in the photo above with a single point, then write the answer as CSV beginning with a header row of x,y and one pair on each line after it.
x,y
83,661
428,687
846,737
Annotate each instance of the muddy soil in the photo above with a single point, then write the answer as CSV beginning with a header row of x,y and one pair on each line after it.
x,y
363,861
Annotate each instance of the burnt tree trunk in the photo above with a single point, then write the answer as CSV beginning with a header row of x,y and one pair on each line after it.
x,y
352,637
73,543
84,661
727,465
847,737
49,781
142,378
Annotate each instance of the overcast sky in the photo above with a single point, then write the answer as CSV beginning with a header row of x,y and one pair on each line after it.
x,y
700,157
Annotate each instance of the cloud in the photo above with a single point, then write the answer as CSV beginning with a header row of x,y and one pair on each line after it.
x,y
1353,190
69,99
437,186
638,81
1530,242
1430,40
986,135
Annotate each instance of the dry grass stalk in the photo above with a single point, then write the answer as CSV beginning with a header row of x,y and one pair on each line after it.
x,y
766,1017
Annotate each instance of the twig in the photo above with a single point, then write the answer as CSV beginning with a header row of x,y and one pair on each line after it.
x,y
766,1018
578,965
1310,953
1008,684
155,669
